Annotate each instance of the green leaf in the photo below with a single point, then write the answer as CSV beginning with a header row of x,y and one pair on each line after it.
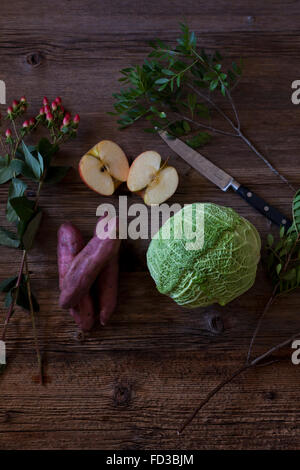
x,y
56,173
167,72
192,101
20,167
270,239
161,81
290,275
296,211
278,268
41,162
31,231
47,151
23,207
6,174
17,166
202,138
298,275
213,85
8,284
202,110
179,128
186,127
16,189
8,238
32,162
281,231
4,161
8,299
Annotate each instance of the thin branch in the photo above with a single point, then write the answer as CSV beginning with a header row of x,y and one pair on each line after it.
x,y
240,134
12,305
32,315
233,107
261,317
238,126
214,105
264,159
251,363
204,126
15,129
237,372
211,394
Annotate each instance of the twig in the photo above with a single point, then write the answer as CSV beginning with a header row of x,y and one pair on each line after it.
x,y
264,159
32,315
238,132
228,94
214,105
261,317
251,363
11,308
210,128
15,129
231,100
237,372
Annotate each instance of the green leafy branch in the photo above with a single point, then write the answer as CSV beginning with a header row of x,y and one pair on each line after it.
x,y
283,267
20,164
173,89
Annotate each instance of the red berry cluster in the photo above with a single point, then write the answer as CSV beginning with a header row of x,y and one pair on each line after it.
x,y
54,115
15,110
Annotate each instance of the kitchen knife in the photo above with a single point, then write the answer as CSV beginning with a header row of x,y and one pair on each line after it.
x,y
222,179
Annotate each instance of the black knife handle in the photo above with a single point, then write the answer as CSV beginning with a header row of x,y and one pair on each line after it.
x,y
263,207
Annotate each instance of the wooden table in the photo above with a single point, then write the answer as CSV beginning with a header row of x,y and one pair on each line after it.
x,y
131,384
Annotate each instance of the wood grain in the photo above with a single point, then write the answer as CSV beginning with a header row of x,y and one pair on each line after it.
x,y
130,385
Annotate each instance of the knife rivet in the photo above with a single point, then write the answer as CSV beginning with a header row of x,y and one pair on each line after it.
x,y
266,208
249,194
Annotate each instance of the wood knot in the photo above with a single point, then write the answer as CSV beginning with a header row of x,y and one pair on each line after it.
x,y
122,395
80,336
34,59
5,416
215,322
270,395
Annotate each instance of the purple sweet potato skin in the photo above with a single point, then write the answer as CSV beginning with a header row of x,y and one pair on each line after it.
x,y
84,313
86,266
107,284
70,243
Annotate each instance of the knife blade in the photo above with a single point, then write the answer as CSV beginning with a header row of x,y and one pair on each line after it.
x,y
222,179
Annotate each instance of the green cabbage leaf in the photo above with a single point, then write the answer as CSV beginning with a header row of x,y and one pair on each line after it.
x,y
204,254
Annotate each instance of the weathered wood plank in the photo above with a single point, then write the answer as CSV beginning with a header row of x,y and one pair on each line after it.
x,y
130,385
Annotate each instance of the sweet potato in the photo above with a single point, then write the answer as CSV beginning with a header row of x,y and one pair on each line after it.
x,y
107,284
86,266
70,242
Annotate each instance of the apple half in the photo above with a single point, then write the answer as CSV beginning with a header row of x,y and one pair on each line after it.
x,y
104,167
153,181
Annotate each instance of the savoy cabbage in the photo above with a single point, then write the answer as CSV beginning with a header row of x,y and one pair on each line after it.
x,y
221,267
